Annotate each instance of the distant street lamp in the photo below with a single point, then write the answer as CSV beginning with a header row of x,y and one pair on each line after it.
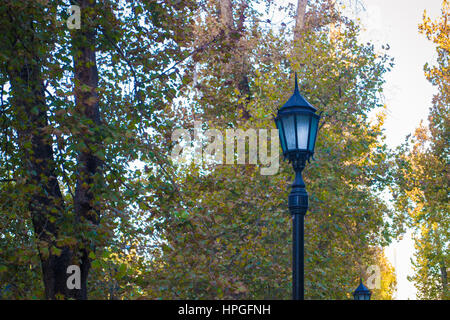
x,y
361,293
297,123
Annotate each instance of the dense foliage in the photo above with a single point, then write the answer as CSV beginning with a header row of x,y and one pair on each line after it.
x,y
87,178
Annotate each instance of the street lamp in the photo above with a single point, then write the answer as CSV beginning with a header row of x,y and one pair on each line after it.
x,y
361,293
297,124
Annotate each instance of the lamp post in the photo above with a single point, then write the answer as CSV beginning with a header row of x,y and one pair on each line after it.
x,y
297,124
361,293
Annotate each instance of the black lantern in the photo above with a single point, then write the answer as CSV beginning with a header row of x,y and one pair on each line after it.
x,y
361,293
297,124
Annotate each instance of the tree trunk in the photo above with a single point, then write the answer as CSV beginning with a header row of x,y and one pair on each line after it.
x,y
226,14
300,19
45,202
89,165
240,67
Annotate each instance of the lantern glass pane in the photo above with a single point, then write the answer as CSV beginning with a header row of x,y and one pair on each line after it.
x,y
313,133
289,131
280,132
302,131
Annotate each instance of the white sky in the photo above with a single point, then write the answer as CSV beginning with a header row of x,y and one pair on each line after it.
x,y
408,94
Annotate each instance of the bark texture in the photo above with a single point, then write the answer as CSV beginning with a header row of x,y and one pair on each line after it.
x,y
233,33
89,165
29,43
300,18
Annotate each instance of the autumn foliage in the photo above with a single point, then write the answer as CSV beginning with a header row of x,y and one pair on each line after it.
x,y
86,175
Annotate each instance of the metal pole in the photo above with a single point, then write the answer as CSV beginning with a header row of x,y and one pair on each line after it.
x,y
298,254
298,206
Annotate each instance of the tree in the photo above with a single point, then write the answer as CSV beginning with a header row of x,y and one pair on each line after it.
x,y
28,39
86,174
422,178
225,232
73,120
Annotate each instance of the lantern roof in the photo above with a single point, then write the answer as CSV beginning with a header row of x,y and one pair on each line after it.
x,y
297,100
362,289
